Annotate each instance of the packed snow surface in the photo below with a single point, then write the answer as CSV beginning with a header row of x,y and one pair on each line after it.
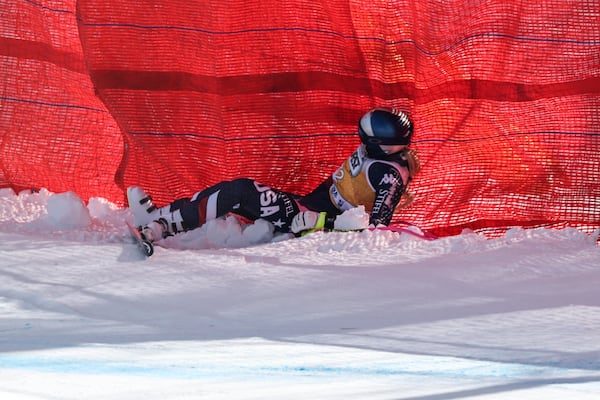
x,y
232,312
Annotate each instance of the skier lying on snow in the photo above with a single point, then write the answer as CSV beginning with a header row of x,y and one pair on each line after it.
x,y
375,175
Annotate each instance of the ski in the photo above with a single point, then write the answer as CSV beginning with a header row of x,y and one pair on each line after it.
x,y
144,245
407,229
415,231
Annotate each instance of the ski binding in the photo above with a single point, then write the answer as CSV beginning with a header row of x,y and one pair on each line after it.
x,y
144,245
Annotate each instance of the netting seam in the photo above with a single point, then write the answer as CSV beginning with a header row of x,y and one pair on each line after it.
x,y
352,37
46,104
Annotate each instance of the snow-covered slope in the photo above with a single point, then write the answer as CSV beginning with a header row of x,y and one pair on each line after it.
x,y
226,313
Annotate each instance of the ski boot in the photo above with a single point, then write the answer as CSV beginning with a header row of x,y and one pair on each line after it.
x,y
140,205
152,222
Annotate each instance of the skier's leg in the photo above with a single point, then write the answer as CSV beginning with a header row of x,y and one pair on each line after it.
x,y
182,214
155,223
241,196
244,197
219,200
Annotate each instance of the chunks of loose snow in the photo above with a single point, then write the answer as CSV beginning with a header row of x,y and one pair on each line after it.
x,y
67,211
353,219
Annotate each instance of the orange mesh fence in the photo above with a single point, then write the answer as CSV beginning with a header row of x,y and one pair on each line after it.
x,y
98,95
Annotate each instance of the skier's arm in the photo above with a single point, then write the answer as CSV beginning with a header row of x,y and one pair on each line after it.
x,y
388,185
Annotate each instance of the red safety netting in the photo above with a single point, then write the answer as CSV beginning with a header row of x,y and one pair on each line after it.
x,y
54,132
505,96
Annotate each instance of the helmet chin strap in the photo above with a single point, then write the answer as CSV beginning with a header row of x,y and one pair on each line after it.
x,y
383,151
392,148
375,151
